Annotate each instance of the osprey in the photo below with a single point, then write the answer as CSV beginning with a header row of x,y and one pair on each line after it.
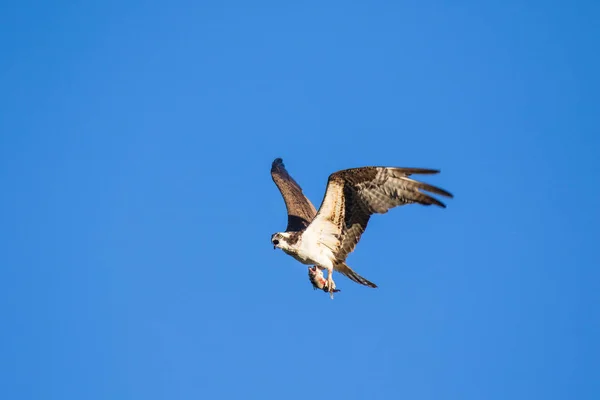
x,y
351,197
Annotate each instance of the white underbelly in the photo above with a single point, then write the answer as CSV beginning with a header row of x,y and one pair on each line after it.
x,y
314,254
300,257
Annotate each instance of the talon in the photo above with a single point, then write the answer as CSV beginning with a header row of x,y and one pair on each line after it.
x,y
330,285
318,281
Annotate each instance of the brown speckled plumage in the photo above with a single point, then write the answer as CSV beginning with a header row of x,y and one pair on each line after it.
x,y
374,190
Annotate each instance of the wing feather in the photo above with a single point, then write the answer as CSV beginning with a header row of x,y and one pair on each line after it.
x,y
353,195
299,208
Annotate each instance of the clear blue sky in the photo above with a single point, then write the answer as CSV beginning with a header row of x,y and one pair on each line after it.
x,y
137,207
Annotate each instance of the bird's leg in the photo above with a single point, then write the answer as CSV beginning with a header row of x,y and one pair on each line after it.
x,y
330,284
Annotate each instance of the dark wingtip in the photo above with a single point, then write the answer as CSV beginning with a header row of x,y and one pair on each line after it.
x,y
277,165
419,171
434,201
443,192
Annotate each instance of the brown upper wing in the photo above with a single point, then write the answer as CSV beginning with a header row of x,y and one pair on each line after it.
x,y
358,193
299,209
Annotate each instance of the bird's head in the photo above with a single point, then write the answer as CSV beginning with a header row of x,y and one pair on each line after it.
x,y
280,240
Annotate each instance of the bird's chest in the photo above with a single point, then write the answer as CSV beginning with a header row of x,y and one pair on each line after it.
x,y
312,252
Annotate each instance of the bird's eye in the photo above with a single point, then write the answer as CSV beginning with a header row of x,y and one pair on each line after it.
x,y
275,242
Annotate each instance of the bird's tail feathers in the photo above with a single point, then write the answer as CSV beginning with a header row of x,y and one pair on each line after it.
x,y
350,273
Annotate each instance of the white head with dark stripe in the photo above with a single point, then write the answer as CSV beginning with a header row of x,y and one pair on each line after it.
x,y
283,240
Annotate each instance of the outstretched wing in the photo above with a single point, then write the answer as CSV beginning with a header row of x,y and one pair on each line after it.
x,y
353,195
299,209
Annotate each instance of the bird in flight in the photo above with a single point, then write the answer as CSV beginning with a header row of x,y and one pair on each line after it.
x,y
326,238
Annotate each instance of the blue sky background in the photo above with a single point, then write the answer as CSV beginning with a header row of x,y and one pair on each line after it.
x,y
135,145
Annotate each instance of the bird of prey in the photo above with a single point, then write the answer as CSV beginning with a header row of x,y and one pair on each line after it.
x,y
300,213
351,197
